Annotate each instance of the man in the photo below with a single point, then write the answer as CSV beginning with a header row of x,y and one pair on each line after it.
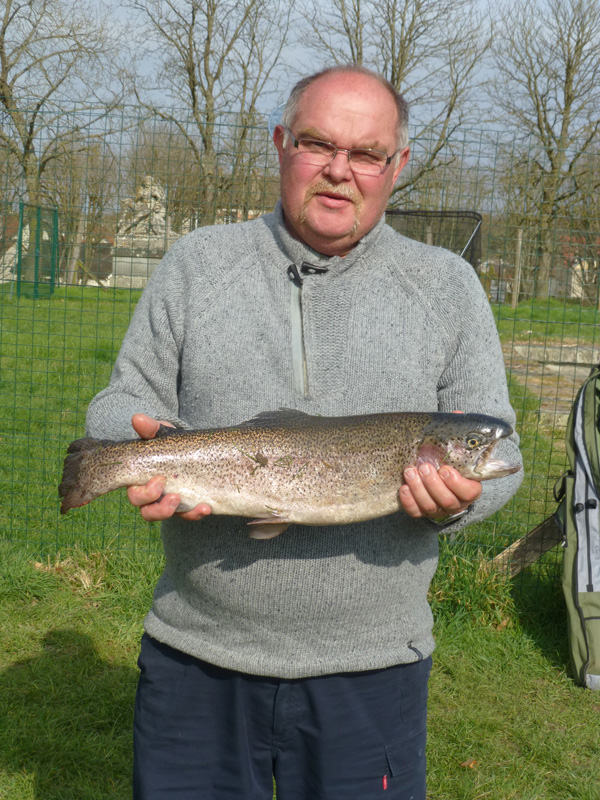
x,y
307,656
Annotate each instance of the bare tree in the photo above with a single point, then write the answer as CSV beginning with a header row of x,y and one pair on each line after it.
x,y
547,84
214,58
9,172
158,148
581,234
82,186
52,52
428,49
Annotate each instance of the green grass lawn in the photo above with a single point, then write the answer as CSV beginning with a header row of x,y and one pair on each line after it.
x,y
55,354
505,721
539,320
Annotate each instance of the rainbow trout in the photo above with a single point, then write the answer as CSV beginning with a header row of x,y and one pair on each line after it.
x,y
288,466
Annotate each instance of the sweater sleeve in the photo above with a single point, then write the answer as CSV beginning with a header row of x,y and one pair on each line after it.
x,y
474,380
146,374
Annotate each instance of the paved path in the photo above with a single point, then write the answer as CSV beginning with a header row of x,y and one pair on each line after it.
x,y
552,373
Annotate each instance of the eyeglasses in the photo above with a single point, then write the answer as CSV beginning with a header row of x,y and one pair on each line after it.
x,y
363,161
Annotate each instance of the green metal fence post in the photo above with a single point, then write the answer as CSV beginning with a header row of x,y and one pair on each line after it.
x,y
19,248
38,244
54,265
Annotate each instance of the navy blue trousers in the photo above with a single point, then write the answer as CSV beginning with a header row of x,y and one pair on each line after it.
x,y
206,733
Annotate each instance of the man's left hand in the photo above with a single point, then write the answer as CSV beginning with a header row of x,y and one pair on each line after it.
x,y
436,494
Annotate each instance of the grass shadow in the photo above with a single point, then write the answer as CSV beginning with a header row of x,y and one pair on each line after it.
x,y
68,721
541,613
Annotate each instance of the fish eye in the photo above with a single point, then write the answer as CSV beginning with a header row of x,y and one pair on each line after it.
x,y
473,440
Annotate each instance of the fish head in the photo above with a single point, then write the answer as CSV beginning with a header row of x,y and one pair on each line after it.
x,y
465,442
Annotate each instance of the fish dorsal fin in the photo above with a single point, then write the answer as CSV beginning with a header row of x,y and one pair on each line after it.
x,y
282,418
165,430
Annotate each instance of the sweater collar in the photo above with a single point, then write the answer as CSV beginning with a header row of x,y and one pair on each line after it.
x,y
297,251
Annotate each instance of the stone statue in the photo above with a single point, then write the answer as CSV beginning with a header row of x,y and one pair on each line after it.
x,y
146,214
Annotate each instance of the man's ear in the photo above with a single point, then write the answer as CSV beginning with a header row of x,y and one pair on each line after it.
x,y
278,137
403,161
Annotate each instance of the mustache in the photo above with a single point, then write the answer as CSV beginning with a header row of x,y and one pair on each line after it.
x,y
325,187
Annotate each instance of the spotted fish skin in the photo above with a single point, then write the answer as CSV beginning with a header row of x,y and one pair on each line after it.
x,y
287,466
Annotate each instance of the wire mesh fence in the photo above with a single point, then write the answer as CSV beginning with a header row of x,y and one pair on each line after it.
x,y
109,197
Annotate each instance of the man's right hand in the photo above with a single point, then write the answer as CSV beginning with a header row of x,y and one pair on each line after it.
x,y
148,497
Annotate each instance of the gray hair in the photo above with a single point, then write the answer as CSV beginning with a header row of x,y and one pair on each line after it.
x,y
291,107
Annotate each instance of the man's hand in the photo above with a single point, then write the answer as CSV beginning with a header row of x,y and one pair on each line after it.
x,y
148,497
436,494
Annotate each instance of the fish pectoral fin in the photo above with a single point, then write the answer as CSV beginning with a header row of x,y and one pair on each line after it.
x,y
267,528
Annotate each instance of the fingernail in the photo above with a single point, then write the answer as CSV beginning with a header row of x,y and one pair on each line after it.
x,y
174,502
424,469
445,474
410,473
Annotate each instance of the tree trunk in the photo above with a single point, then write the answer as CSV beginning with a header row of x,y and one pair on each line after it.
x,y
542,284
76,250
30,260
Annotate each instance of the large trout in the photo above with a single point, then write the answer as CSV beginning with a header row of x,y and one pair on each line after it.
x,y
287,466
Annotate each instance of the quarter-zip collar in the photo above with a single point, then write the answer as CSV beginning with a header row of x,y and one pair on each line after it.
x,y
297,252
287,255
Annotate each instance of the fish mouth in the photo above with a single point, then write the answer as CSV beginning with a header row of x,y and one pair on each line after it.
x,y
498,469
486,467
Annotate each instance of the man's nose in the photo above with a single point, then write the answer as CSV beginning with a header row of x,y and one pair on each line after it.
x,y
338,168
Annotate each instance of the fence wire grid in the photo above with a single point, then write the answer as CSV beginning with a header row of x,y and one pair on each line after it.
x,y
79,240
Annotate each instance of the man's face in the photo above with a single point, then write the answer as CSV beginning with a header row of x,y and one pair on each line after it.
x,y
331,208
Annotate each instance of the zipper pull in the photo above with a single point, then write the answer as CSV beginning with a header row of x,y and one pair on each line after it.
x,y
294,275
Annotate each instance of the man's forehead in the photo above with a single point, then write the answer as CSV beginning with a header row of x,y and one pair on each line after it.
x,y
351,129
354,94
355,83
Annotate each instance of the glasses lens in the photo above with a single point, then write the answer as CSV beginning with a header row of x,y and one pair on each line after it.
x,y
367,162
315,152
363,162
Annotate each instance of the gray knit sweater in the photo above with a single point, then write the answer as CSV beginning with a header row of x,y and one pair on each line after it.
x,y
216,337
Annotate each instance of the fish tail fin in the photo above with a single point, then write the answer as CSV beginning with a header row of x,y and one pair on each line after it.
x,y
72,489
